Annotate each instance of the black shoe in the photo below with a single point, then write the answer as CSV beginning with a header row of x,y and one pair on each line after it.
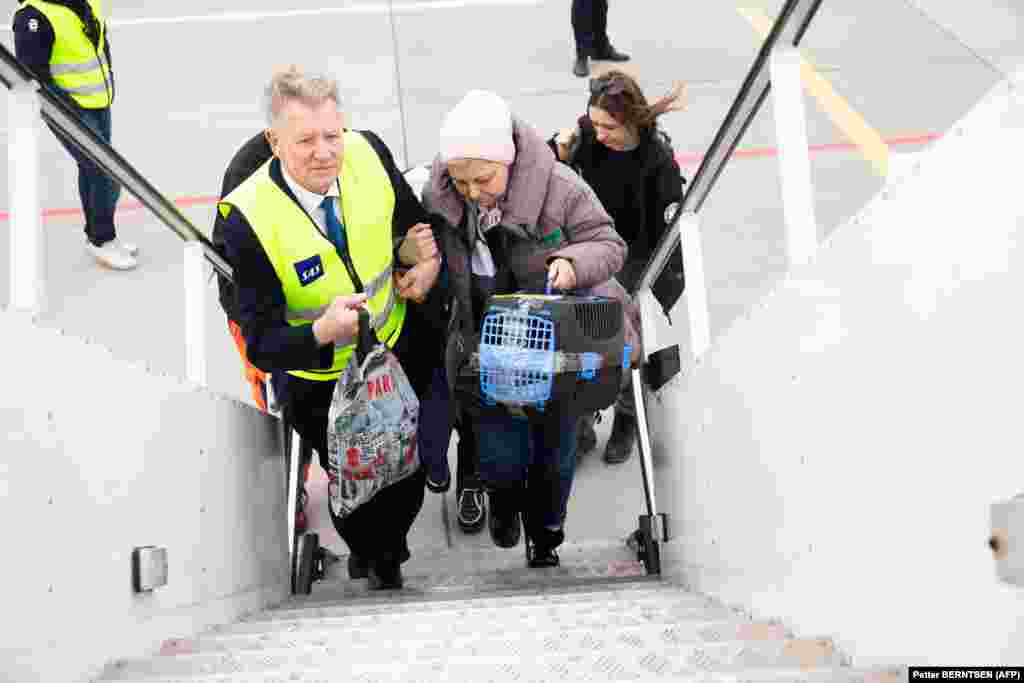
x,y
358,568
504,523
472,513
622,439
435,487
610,54
385,575
586,437
543,557
581,67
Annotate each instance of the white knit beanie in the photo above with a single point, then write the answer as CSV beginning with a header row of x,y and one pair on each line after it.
x,y
479,127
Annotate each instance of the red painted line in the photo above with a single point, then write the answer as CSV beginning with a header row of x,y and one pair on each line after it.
x,y
684,159
756,152
132,205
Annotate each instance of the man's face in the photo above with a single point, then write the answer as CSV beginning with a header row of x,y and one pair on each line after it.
x,y
308,141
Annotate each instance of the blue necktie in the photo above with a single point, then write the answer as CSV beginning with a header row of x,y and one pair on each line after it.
x,y
335,229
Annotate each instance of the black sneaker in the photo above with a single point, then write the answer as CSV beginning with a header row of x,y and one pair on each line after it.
x,y
610,54
472,513
504,523
436,487
543,557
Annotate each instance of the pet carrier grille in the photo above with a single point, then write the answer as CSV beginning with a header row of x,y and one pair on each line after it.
x,y
517,358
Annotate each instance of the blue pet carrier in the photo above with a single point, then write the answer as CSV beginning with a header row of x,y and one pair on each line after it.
x,y
537,350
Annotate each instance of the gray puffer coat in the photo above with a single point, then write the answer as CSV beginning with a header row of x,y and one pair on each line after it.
x,y
549,212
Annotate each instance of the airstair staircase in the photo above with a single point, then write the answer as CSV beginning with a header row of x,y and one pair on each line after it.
x,y
478,614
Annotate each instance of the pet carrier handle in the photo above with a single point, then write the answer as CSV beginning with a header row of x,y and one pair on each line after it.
x,y
367,338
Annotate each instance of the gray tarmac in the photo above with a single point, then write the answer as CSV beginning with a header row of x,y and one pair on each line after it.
x,y
190,77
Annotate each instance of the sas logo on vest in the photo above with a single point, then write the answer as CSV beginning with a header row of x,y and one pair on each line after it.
x,y
309,270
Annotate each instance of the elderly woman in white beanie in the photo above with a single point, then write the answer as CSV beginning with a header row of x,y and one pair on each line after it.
x,y
518,220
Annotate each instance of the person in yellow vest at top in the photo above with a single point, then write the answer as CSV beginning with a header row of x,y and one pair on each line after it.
x,y
65,45
315,233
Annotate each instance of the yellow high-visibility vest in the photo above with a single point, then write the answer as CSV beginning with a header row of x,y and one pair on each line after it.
x,y
308,265
79,68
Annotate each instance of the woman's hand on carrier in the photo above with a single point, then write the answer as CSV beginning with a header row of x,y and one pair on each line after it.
x,y
340,321
416,282
561,274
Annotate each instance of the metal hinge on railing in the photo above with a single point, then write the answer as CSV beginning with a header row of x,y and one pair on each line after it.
x,y
646,540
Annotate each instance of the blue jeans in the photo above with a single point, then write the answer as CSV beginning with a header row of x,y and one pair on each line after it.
x,y
98,191
514,452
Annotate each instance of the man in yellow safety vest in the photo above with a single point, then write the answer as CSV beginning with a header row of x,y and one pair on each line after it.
x,y
65,45
313,234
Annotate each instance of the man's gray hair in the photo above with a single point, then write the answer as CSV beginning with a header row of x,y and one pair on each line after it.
x,y
290,83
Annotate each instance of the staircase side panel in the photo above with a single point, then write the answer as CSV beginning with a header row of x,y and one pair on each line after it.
x,y
832,459
99,457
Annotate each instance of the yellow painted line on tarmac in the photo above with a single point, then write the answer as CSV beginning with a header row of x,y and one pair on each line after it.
x,y
846,119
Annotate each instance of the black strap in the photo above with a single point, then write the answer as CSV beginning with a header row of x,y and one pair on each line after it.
x,y
367,338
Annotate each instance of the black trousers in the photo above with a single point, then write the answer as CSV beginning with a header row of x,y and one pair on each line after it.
x,y
590,26
376,531
467,472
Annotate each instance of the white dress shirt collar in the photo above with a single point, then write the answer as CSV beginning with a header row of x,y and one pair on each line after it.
x,y
310,201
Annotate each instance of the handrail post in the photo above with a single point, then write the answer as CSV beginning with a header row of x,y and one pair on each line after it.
x,y
794,158
195,313
696,292
28,248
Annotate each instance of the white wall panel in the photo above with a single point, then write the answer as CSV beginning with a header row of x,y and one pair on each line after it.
x,y
99,457
832,459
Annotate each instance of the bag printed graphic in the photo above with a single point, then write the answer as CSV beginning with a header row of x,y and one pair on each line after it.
x,y
371,428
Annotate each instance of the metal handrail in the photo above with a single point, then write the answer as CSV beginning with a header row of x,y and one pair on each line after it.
x,y
56,112
789,29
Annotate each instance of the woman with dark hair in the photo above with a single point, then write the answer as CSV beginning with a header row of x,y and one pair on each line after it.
x,y
619,150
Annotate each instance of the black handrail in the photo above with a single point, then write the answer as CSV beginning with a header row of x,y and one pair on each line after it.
x,y
56,112
788,29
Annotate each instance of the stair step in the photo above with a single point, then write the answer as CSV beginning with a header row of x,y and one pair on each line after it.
x,y
593,555
610,658
338,586
428,645
760,675
431,623
516,603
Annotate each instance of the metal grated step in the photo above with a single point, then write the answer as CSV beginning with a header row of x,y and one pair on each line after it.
x,y
584,621
699,630
776,675
426,624
519,603
434,588
611,656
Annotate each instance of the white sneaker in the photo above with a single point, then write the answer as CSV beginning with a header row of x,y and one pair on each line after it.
x,y
113,255
130,247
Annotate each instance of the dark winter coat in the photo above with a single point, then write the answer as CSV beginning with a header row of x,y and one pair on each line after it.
x,y
639,189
